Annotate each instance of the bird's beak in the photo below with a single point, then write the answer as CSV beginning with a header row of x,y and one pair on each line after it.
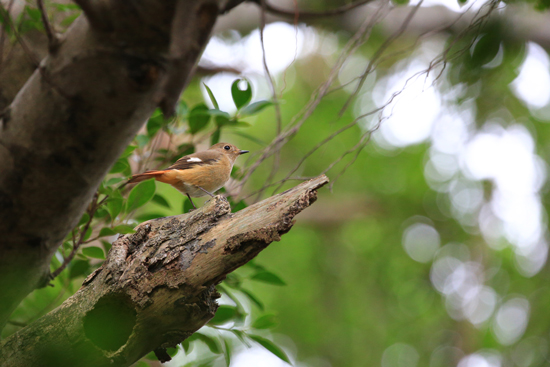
x,y
243,151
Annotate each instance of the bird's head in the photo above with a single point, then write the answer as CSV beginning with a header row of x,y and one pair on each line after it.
x,y
229,150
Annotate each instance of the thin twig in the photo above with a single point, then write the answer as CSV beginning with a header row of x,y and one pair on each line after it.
x,y
293,127
94,205
277,158
365,138
379,53
30,55
53,40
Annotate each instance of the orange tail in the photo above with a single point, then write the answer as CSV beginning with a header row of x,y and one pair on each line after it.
x,y
145,176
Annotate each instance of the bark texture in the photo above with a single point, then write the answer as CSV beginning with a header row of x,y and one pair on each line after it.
x,y
156,286
74,116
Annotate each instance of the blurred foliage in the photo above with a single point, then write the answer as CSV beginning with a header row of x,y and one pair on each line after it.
x,y
341,284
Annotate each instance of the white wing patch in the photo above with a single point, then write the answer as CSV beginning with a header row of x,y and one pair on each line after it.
x,y
194,160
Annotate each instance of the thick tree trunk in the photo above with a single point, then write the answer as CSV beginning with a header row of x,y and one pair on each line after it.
x,y
75,115
156,286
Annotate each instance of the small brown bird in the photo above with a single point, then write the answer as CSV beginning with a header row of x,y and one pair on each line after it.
x,y
197,174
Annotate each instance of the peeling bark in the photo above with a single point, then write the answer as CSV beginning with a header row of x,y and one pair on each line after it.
x,y
157,285
72,119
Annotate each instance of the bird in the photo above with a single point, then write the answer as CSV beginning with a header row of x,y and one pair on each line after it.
x,y
197,174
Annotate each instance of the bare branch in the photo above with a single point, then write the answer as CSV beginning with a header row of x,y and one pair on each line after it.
x,y
53,40
76,244
277,158
362,34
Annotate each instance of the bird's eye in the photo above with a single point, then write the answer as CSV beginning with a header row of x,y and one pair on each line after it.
x,y
227,147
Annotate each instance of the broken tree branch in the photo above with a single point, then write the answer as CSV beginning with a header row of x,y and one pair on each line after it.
x,y
157,285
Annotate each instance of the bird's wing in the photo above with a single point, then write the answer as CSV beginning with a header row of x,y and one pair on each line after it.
x,y
194,160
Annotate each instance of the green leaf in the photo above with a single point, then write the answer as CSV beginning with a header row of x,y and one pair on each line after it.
x,y
186,148
222,120
128,151
241,97
198,118
64,7
187,346
114,206
67,245
141,364
486,49
542,5
212,98
239,124
88,233
106,246
140,194
255,108
148,216
142,140
124,229
33,13
106,231
113,181
69,20
84,219
212,343
267,321
78,268
227,352
215,138
233,280
151,356
155,123
95,252
253,298
216,112
161,201
268,277
120,166
223,315
172,351
253,265
182,108
270,346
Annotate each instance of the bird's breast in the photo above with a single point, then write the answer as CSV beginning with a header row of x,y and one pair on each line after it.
x,y
209,177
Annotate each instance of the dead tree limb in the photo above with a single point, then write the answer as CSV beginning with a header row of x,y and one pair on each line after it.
x,y
156,286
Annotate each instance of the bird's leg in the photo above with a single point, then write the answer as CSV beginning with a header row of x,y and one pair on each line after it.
x,y
206,191
192,203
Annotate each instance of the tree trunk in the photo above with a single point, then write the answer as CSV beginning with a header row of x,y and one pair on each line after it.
x,y
77,113
157,285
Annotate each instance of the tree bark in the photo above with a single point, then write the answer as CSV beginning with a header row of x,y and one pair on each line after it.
x,y
76,114
157,285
